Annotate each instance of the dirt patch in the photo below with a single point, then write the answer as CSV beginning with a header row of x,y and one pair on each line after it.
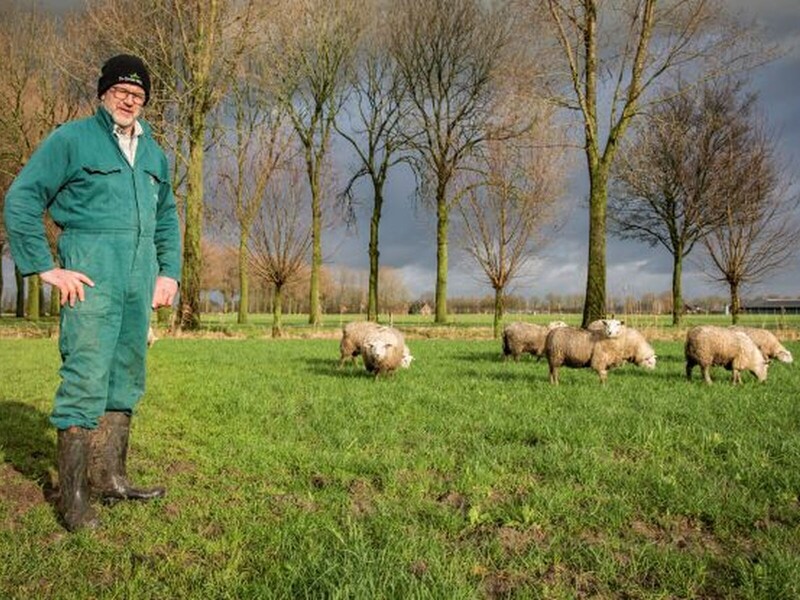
x,y
679,531
361,495
18,493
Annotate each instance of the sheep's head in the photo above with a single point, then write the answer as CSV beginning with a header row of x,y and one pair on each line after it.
x,y
784,356
556,324
649,362
379,348
612,327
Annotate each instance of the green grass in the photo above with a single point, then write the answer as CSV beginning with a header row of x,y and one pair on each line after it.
x,y
463,477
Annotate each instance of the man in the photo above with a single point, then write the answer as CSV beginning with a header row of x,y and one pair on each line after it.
x,y
106,184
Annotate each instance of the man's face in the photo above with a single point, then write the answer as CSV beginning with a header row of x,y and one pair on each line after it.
x,y
124,101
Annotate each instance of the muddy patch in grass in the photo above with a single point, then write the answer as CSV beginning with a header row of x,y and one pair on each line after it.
x,y
18,494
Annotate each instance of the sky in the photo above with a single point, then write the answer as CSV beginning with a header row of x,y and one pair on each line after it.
x,y
407,235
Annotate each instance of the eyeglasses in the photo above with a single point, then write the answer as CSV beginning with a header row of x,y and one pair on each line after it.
x,y
121,94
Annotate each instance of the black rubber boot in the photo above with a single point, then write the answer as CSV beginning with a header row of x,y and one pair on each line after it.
x,y
107,469
74,446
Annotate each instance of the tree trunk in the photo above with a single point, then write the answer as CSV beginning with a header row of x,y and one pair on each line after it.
x,y
594,306
498,311
735,302
33,298
442,218
244,280
192,255
20,304
314,310
677,296
55,301
374,255
277,305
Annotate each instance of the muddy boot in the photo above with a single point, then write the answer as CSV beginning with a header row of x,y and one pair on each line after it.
x,y
73,500
107,468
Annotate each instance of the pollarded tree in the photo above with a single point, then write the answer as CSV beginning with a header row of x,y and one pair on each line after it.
x,y
309,47
667,179
252,150
614,52
759,230
448,53
281,238
504,217
373,130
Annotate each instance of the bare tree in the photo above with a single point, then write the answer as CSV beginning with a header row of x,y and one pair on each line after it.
x,y
373,130
667,179
252,151
192,48
614,52
281,238
760,230
309,47
36,96
514,202
448,52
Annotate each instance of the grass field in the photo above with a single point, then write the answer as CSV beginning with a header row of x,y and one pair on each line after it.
x,y
462,477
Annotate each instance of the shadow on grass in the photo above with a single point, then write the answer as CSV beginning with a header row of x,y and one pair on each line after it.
x,y
481,356
330,368
27,447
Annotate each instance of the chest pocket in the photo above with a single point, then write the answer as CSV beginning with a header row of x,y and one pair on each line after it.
x,y
99,187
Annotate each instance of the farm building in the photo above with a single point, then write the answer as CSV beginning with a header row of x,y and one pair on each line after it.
x,y
773,306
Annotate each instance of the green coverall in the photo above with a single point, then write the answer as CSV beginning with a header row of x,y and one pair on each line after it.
x,y
120,228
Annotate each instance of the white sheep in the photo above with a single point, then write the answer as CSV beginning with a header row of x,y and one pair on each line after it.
x,y
610,327
580,348
352,342
767,342
709,346
384,350
520,337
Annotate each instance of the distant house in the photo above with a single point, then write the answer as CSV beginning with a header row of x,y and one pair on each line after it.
x,y
420,308
772,306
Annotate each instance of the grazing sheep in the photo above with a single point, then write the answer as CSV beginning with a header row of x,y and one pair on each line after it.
x,y
352,343
384,350
580,348
519,337
767,342
610,327
708,346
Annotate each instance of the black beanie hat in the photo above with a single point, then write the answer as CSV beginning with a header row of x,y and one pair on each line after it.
x,y
124,68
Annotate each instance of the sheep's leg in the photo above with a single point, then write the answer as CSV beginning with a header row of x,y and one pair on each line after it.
x,y
689,366
603,374
553,375
737,378
706,373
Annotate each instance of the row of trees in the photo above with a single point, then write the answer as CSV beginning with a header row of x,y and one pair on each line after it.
x,y
477,98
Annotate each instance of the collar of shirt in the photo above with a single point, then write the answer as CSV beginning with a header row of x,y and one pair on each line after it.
x,y
128,143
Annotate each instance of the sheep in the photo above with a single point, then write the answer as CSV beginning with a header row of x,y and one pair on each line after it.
x,y
519,337
767,342
384,350
352,343
579,348
707,345
610,327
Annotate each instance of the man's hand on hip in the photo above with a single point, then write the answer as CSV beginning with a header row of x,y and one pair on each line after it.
x,y
69,283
